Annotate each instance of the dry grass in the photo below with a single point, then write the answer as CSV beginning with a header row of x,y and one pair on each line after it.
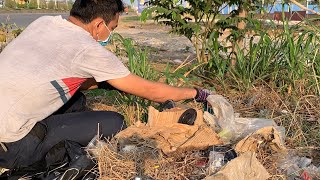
x,y
269,158
146,162
299,114
131,113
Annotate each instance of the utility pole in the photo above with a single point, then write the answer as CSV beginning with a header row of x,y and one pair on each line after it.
x,y
47,4
308,6
262,8
38,3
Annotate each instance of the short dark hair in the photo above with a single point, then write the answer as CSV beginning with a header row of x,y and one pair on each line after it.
x,y
88,10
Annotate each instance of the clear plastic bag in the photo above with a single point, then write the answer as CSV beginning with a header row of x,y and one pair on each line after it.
x,y
216,161
295,166
230,126
95,146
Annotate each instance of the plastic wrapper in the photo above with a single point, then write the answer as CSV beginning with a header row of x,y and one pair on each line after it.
x,y
220,156
95,146
216,161
296,167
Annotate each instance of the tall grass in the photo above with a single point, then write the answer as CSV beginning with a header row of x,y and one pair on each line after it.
x,y
287,59
133,107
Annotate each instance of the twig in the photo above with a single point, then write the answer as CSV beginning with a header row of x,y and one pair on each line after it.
x,y
303,7
183,64
314,72
309,147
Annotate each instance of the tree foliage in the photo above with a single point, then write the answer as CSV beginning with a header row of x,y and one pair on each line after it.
x,y
202,20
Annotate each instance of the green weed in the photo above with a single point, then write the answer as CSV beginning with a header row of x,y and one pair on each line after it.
x,y
137,64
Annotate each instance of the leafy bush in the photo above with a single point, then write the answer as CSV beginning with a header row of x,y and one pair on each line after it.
x,y
11,4
286,58
202,18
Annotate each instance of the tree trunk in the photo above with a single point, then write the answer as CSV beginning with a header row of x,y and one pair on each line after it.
x,y
198,52
239,42
242,14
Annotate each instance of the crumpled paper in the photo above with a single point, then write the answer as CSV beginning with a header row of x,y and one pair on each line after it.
x,y
165,133
244,167
266,135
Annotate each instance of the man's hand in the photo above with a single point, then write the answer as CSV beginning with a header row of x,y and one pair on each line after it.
x,y
202,95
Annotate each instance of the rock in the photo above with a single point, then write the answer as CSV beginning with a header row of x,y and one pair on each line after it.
x,y
178,61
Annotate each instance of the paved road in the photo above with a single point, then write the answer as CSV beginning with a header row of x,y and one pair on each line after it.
x,y
24,19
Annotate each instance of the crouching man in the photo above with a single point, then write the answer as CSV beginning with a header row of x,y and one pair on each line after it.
x,y
42,72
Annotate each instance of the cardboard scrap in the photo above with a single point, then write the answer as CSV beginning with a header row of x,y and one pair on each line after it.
x,y
169,117
245,167
267,135
164,132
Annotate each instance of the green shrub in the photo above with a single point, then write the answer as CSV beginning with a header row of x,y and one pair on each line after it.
x,y
202,18
11,4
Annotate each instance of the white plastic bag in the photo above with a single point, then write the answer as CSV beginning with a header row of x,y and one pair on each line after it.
x,y
230,126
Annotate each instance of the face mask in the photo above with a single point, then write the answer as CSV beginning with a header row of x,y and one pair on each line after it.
x,y
107,41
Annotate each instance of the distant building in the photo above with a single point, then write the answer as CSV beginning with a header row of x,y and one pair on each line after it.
x,y
274,8
142,4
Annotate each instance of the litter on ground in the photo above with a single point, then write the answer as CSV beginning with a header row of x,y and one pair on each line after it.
x,y
186,143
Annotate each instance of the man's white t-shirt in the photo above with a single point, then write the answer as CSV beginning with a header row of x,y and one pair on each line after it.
x,y
43,67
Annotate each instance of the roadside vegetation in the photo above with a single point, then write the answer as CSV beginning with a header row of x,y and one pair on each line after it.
x,y
7,33
265,69
32,5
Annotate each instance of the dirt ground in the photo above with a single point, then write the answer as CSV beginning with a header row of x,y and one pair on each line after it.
x,y
162,45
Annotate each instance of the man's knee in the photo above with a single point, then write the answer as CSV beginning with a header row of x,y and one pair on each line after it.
x,y
120,120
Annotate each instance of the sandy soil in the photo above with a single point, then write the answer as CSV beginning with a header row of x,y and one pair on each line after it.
x,y
162,45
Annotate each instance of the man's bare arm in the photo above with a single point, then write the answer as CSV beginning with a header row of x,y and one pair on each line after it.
x,y
155,91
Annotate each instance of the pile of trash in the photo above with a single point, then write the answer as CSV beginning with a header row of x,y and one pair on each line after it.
x,y
181,142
